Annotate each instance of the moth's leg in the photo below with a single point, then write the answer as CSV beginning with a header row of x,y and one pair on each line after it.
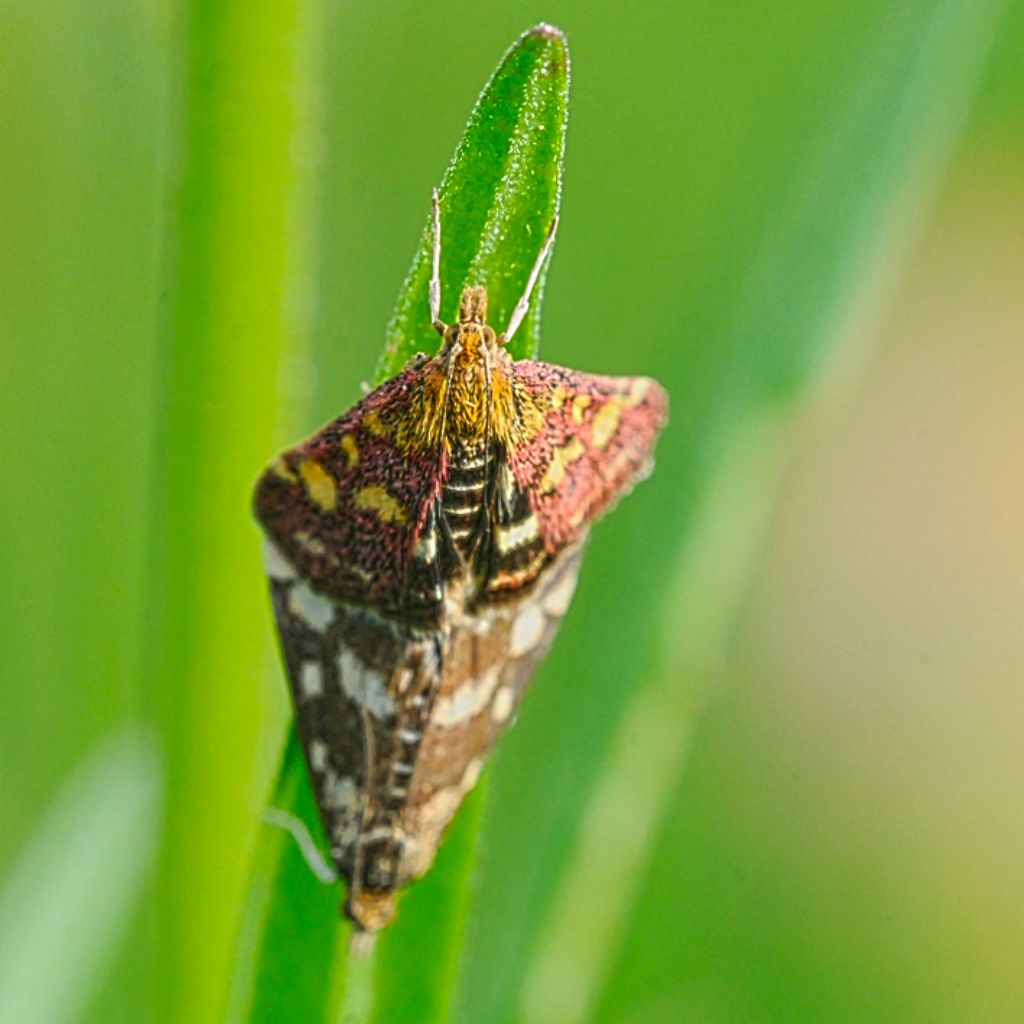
x,y
524,303
311,854
435,276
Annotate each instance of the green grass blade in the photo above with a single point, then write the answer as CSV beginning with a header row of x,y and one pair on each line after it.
x,y
497,200
274,972
418,962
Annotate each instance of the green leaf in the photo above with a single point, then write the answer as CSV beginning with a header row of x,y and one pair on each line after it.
x,y
498,198
289,925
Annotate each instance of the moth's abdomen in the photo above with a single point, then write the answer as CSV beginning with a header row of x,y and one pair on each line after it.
x,y
464,495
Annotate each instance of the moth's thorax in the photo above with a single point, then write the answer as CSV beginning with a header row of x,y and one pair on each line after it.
x,y
474,399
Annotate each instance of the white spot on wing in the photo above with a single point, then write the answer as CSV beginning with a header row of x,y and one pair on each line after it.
x,y
556,602
364,686
316,611
502,706
467,701
526,630
278,567
311,679
318,756
341,797
434,815
471,775
340,794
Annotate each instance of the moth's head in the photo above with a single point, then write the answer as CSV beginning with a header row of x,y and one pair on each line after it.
x,y
465,337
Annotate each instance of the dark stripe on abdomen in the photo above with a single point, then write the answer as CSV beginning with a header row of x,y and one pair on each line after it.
x,y
464,493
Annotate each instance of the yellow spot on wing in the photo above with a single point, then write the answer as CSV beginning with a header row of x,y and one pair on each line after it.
x,y
606,422
376,499
280,469
375,425
561,459
350,450
579,404
319,485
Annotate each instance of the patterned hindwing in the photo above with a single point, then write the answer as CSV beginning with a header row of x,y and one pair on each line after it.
x,y
396,724
351,508
593,440
331,724
489,659
356,680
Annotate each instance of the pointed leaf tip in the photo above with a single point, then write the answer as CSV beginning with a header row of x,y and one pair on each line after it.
x,y
498,198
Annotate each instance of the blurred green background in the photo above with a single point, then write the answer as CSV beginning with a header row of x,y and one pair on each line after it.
x,y
774,770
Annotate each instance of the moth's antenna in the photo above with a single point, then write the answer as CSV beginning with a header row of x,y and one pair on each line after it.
x,y
435,277
524,303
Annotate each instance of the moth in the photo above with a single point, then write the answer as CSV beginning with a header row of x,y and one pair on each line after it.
x,y
422,550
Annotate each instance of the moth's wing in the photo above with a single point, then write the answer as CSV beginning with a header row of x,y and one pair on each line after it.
x,y
354,678
348,507
330,725
490,659
347,667
585,441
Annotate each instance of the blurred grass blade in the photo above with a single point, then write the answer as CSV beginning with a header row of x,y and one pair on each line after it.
x,y
645,761
868,168
72,892
240,257
497,200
